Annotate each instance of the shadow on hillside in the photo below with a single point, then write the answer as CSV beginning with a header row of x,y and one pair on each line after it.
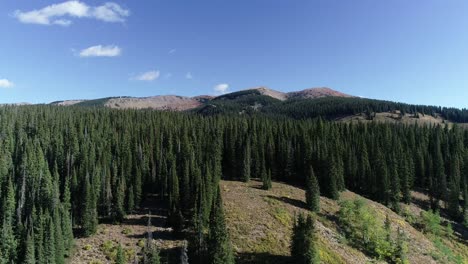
x,y
171,255
293,202
262,258
166,235
461,232
156,221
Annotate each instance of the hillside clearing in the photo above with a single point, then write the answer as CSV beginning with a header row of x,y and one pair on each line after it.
x,y
131,234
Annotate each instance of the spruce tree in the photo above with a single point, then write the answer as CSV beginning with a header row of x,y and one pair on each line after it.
x,y
246,165
331,188
454,190
67,228
29,254
219,245
266,178
312,191
49,242
58,239
89,220
395,189
8,239
303,242
120,258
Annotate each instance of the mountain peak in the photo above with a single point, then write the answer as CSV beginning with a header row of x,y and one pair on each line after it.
x,y
317,92
270,92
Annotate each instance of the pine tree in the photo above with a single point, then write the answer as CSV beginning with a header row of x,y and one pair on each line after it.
x,y
246,165
219,246
303,242
154,257
405,180
331,188
67,228
29,254
387,227
120,258
395,189
49,242
8,239
401,251
90,220
59,240
383,194
119,210
266,178
439,186
312,191
39,235
454,191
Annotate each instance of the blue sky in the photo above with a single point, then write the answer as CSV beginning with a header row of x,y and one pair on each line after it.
x,y
411,51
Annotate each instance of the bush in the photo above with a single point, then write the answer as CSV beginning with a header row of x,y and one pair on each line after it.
x,y
362,230
109,249
430,222
126,231
87,247
141,243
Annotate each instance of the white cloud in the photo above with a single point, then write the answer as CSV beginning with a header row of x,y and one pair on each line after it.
x,y
172,51
101,51
54,14
148,76
189,75
62,22
221,88
110,12
5,83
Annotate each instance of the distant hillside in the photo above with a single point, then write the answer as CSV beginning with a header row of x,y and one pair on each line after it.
x,y
309,103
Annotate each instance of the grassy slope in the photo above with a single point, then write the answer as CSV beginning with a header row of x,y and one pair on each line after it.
x,y
260,224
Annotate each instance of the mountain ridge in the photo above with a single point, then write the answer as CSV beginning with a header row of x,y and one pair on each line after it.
x,y
182,103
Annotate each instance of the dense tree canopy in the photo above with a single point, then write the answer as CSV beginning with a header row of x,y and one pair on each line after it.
x,y
65,169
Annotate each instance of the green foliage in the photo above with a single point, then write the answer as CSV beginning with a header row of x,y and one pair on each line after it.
x,y
303,241
64,168
120,258
312,191
444,254
219,246
364,231
431,222
126,231
87,247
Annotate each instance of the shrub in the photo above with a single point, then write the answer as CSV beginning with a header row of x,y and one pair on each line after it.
x,y
126,231
87,247
430,222
362,230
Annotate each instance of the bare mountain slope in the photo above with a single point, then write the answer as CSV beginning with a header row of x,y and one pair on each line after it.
x,y
316,93
162,102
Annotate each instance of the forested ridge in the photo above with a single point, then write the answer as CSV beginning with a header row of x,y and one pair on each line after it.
x,y
252,102
64,169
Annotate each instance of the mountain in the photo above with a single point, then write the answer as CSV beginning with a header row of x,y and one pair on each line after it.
x,y
316,93
309,103
182,103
